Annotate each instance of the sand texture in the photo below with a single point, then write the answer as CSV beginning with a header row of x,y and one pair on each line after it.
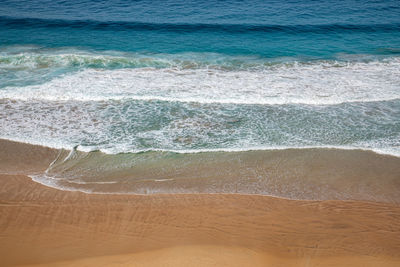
x,y
50,227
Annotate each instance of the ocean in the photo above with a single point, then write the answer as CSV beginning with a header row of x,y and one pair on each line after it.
x,y
151,90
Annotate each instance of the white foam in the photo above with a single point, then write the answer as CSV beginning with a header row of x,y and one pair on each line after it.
x,y
318,83
382,151
77,58
390,151
73,109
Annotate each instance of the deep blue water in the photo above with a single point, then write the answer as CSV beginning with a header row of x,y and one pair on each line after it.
x,y
310,29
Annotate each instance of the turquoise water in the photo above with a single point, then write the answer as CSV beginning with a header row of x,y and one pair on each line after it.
x,y
186,76
315,29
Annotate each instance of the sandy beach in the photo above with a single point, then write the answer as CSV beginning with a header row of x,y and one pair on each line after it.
x,y
200,133
50,227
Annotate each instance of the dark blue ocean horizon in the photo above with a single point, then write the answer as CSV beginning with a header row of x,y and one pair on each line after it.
x,y
268,29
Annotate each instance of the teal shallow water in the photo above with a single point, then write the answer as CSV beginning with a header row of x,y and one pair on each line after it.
x,y
312,174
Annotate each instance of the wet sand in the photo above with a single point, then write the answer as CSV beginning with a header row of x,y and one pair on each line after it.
x,y
303,174
42,225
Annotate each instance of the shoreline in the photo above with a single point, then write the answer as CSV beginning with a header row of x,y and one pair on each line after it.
x,y
380,152
51,227
302,174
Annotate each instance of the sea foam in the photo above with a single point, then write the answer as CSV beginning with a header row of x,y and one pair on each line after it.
x,y
316,83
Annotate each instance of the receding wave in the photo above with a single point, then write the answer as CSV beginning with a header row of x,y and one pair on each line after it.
x,y
317,174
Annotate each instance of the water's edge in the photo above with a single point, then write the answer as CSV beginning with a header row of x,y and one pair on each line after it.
x,y
303,174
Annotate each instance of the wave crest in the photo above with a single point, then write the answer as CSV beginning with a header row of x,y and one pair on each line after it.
x,y
316,83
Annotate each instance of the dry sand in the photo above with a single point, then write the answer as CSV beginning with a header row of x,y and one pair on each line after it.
x,y
46,226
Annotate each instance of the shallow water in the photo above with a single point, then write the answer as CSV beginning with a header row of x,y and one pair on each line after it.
x,y
311,174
